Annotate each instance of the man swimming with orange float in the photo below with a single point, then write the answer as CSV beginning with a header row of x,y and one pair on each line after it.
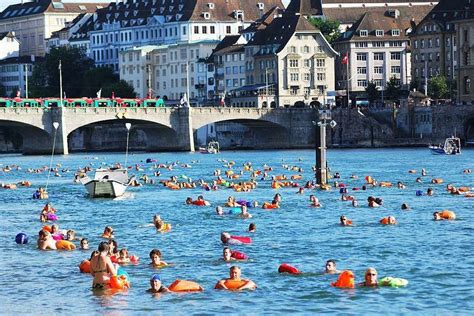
x,y
234,282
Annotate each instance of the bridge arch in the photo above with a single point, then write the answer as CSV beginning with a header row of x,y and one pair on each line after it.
x,y
103,135
469,130
25,138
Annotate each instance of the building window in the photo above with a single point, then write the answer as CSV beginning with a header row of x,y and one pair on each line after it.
x,y
320,62
430,43
415,44
363,33
228,29
396,32
293,90
204,29
361,70
379,32
361,44
294,63
362,83
196,29
361,56
396,44
395,56
306,76
212,28
320,76
378,82
378,56
307,63
422,43
467,85
294,77
378,44
395,69
378,70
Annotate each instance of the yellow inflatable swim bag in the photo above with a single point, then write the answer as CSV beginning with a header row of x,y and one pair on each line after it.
x,y
65,245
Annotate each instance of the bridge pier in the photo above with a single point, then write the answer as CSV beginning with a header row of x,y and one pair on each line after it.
x,y
184,128
57,115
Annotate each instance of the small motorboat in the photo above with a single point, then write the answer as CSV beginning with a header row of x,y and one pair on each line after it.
x,y
452,146
110,183
212,148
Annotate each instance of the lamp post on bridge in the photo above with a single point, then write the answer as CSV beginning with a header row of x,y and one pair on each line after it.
x,y
321,161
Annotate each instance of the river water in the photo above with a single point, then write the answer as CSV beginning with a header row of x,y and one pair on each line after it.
x,y
436,257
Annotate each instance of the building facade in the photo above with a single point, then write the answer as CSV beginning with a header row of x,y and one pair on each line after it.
x,y
13,75
36,20
9,44
377,49
465,62
129,23
288,62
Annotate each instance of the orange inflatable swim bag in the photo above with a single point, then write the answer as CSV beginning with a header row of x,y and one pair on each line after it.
x,y
85,266
445,214
46,228
119,282
234,284
345,280
185,286
65,245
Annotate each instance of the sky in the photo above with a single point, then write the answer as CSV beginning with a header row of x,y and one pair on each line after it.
x,y
6,3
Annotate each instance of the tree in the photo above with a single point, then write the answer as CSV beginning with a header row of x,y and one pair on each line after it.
x,y
74,64
393,89
372,92
438,87
329,28
121,89
97,78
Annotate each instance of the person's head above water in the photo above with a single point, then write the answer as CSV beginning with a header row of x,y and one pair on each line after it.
x,y
225,237
330,266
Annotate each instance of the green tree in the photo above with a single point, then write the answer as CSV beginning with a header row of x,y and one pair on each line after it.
x,y
97,78
121,89
438,87
74,64
393,89
329,28
372,92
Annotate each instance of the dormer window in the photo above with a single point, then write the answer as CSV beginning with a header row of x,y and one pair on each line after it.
x,y
396,32
126,13
178,17
135,12
239,15
162,9
261,6
363,33
211,5
206,15
180,7
379,33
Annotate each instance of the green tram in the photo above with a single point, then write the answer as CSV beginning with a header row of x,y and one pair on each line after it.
x,y
81,102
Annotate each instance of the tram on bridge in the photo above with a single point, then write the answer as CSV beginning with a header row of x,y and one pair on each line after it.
x,y
79,102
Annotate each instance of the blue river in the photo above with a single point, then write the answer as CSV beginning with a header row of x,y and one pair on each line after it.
x,y
436,257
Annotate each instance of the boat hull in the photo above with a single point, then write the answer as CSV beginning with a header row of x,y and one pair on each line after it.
x,y
109,189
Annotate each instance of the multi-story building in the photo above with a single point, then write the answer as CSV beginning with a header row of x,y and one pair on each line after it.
x,y
168,67
130,23
9,44
377,49
433,43
465,74
34,21
64,36
229,61
288,62
14,72
347,12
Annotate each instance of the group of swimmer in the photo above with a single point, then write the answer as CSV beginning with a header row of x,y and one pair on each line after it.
x,y
104,262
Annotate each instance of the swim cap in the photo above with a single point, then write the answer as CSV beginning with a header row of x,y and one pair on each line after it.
x,y
21,238
156,277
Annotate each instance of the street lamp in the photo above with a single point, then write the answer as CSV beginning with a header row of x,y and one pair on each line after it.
x,y
321,161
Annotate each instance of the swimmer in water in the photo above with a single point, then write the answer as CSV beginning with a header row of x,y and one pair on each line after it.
x,y
330,267
155,256
235,275
244,213
102,267
405,207
123,256
370,278
84,244
156,287
252,228
108,232
344,221
46,241
219,211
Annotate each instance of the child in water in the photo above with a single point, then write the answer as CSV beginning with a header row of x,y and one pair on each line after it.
x,y
156,262
123,256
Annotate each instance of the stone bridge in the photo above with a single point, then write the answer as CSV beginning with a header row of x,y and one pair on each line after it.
x,y
168,128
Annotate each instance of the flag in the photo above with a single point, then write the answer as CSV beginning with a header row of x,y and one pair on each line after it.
x,y
222,100
184,100
113,94
59,66
18,93
345,59
99,93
